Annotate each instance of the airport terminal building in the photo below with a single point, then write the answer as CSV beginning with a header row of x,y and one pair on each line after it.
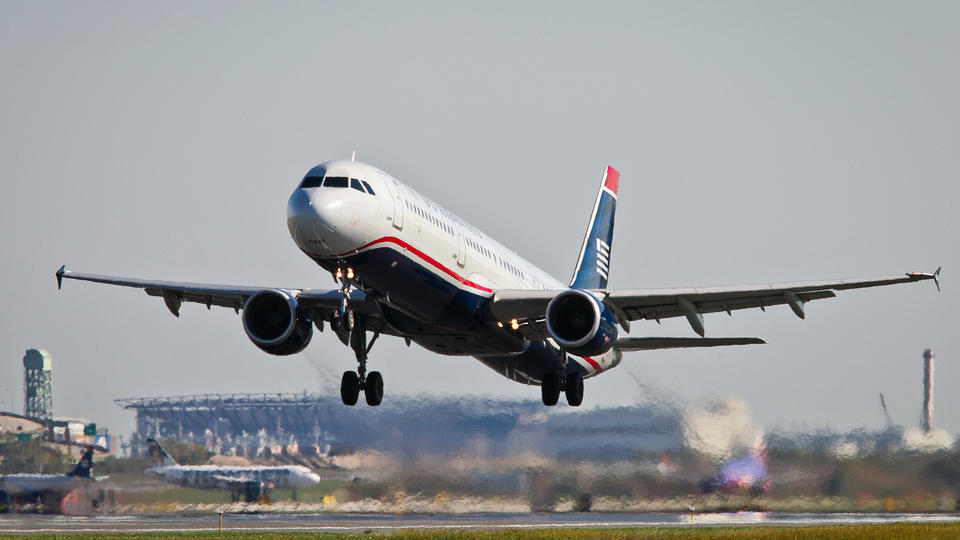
x,y
262,425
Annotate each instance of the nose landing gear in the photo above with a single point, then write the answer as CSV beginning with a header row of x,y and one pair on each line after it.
x,y
352,330
354,381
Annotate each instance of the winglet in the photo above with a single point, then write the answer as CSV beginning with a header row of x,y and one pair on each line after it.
x,y
60,273
935,276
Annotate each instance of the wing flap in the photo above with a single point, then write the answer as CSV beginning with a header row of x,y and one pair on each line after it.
x,y
664,308
653,343
656,304
193,291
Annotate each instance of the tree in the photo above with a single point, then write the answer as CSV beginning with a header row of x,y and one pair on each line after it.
x,y
32,457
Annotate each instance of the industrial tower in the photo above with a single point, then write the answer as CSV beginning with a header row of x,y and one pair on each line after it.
x,y
926,414
37,392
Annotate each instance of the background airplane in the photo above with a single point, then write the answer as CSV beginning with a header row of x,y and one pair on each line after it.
x,y
410,268
743,474
46,491
251,483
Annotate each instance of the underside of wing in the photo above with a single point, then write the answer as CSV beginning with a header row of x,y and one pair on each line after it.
x,y
656,304
319,302
692,303
234,481
653,343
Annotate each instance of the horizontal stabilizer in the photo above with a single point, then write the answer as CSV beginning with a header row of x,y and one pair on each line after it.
x,y
651,343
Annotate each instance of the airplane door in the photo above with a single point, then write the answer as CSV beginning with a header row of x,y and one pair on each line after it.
x,y
394,190
461,247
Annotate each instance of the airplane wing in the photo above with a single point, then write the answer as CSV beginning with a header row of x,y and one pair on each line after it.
x,y
234,480
656,304
231,296
652,343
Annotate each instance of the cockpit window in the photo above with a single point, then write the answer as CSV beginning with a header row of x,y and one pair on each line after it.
x,y
336,181
311,181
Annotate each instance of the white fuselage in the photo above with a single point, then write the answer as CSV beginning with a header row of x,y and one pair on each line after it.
x,y
222,477
337,226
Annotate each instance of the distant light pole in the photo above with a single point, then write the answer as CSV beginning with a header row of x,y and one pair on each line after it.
x,y
10,401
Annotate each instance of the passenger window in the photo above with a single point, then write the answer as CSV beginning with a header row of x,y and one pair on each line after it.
x,y
336,181
355,184
369,189
311,181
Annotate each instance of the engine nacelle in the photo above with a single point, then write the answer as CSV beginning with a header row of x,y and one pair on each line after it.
x,y
580,323
274,323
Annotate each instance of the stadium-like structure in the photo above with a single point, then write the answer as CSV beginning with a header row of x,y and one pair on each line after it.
x,y
309,424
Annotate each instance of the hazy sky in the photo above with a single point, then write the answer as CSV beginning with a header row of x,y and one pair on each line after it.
x,y
757,141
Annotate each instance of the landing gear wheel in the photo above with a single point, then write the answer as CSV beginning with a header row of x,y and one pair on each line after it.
x,y
550,389
350,387
373,388
574,389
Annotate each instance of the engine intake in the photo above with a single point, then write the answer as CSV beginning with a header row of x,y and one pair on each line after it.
x,y
580,324
275,324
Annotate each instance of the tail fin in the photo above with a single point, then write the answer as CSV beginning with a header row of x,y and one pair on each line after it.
x,y
84,466
593,266
159,455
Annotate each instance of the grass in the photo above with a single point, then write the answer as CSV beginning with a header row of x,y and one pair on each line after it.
x,y
833,532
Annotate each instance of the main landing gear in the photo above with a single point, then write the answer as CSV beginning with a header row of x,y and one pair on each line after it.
x,y
570,384
352,330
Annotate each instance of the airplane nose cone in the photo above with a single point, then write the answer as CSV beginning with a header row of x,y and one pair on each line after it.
x,y
314,219
312,208
299,211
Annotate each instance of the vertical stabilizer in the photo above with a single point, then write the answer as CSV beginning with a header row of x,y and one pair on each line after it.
x,y
85,466
593,266
158,454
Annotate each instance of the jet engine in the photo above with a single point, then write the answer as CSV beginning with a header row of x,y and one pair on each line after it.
x,y
275,324
580,323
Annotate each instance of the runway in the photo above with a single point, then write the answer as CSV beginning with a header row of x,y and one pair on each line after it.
x,y
32,523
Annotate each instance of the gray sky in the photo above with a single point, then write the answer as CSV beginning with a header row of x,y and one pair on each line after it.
x,y
757,141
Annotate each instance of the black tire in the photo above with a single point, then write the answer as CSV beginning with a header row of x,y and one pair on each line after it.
x,y
574,389
373,389
350,387
550,389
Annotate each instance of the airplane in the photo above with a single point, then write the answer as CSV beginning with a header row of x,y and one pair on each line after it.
x,y
408,267
47,490
744,474
250,482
